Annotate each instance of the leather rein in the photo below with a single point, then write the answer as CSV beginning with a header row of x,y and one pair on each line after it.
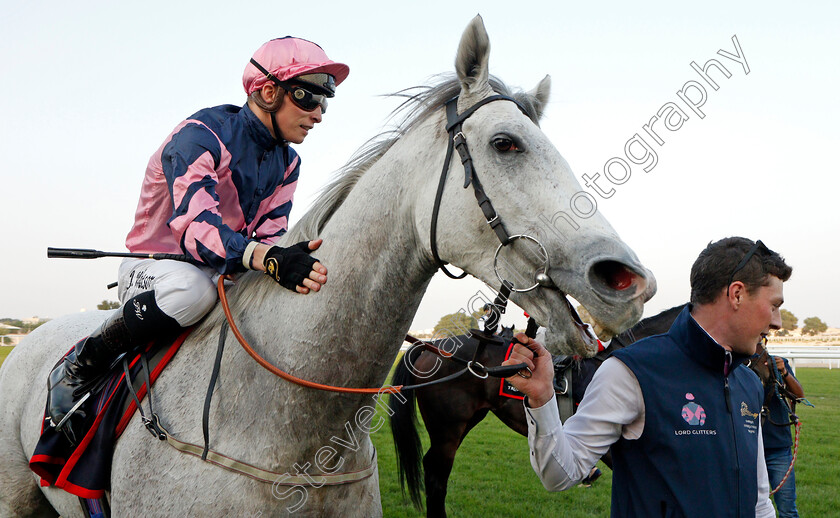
x,y
474,367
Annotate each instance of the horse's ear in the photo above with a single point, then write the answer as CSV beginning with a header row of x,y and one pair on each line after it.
x,y
472,58
540,95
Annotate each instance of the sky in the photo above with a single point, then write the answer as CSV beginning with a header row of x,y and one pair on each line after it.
x,y
89,90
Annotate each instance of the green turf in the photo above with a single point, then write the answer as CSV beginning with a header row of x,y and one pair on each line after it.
x,y
492,475
4,351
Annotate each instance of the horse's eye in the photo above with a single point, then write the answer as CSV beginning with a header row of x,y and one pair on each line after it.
x,y
504,144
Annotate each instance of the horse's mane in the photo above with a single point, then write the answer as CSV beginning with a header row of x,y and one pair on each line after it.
x,y
420,103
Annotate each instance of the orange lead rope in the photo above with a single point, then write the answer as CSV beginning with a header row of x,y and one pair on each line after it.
x,y
798,426
277,372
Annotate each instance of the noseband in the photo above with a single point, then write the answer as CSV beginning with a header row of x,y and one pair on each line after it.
x,y
457,140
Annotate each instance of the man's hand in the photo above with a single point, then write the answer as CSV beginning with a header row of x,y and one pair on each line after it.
x,y
539,386
293,267
780,365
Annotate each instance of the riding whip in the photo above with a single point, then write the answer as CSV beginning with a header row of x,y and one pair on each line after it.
x,y
89,253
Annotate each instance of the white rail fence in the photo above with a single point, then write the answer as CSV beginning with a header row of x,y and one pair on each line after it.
x,y
808,355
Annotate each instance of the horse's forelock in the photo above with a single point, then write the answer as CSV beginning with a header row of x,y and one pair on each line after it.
x,y
419,104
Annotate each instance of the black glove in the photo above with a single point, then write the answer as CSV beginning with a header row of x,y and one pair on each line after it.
x,y
289,266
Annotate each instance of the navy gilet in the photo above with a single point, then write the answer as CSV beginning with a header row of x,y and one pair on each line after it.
x,y
697,454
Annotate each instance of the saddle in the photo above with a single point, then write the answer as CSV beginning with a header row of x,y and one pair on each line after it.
x,y
85,470
468,347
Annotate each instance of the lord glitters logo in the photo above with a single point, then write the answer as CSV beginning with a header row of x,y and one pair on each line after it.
x,y
692,412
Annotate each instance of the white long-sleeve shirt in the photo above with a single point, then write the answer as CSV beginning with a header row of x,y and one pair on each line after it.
x,y
563,454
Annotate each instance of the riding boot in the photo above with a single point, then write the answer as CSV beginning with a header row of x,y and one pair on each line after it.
x,y
133,324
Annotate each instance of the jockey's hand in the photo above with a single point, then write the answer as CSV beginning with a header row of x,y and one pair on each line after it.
x,y
293,267
539,384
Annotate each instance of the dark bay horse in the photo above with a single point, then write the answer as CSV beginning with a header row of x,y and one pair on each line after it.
x,y
450,410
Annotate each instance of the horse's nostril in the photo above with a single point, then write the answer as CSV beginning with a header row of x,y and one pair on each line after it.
x,y
614,274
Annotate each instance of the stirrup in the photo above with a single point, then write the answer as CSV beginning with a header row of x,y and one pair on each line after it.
x,y
70,412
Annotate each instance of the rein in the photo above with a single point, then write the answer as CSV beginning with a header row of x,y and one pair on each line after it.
x,y
474,367
279,373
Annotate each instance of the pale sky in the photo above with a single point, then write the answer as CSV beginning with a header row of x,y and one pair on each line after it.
x,y
90,89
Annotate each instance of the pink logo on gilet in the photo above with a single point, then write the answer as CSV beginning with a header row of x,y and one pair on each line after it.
x,y
693,413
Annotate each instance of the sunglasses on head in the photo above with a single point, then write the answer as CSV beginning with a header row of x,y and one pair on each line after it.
x,y
303,98
757,247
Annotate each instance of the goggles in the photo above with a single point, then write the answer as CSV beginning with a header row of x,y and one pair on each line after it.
x,y
302,97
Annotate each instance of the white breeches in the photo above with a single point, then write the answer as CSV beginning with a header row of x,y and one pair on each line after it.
x,y
183,291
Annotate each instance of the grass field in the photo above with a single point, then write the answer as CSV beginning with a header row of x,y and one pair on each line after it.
x,y
4,351
492,475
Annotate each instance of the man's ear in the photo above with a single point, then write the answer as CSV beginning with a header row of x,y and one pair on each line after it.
x,y
737,291
269,93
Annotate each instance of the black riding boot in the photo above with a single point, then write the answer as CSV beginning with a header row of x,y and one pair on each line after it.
x,y
133,324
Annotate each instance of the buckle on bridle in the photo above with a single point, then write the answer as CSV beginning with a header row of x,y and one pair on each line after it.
x,y
153,425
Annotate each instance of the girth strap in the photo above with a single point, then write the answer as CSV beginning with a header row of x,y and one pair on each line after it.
x,y
270,477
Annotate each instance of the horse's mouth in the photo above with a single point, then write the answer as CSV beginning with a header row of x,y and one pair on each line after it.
x,y
586,331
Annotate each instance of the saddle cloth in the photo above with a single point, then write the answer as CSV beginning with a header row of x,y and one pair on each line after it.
x,y
85,471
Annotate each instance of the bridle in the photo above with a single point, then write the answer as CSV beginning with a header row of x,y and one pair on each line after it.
x,y
788,401
457,140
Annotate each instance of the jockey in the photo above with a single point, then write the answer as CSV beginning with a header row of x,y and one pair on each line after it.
x,y
219,189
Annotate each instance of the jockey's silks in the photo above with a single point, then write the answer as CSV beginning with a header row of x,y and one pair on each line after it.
x,y
218,181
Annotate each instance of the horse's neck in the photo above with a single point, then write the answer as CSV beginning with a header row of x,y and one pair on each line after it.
x,y
377,275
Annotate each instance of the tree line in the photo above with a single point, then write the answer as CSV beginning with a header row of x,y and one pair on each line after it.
x,y
811,325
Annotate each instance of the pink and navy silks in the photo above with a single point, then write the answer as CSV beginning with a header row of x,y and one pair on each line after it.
x,y
217,182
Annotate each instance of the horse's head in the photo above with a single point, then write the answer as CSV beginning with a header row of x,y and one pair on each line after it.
x,y
534,194
506,333
758,363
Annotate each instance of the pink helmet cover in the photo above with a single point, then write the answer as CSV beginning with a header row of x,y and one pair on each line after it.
x,y
290,57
